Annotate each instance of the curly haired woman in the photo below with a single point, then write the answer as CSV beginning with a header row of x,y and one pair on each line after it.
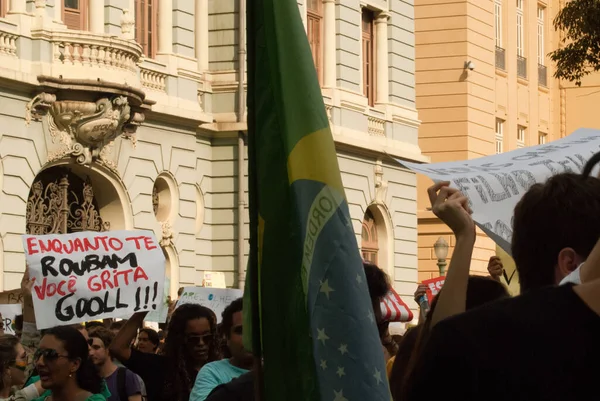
x,y
191,342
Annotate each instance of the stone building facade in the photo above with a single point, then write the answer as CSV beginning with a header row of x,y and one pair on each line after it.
x,y
125,114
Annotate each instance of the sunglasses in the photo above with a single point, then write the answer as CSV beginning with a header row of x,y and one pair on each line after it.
x,y
49,355
194,340
238,330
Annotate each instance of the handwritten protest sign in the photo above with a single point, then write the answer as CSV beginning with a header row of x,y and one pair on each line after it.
x,y
494,184
162,311
510,276
9,313
86,276
215,299
434,285
11,297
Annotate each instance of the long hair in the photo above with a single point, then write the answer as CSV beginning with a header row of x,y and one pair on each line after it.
x,y
77,348
181,375
8,354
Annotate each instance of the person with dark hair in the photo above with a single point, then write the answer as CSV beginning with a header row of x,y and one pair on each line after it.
x,y
63,364
18,326
480,291
191,342
514,348
148,341
122,383
13,362
93,324
223,371
379,286
116,326
556,225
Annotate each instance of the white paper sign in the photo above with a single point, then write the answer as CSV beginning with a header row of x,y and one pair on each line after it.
x,y
161,313
89,275
9,313
214,279
494,184
216,299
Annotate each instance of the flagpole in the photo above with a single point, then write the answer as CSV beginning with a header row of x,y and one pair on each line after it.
x,y
253,270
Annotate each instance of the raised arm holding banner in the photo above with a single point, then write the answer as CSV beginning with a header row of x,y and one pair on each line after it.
x,y
494,184
90,275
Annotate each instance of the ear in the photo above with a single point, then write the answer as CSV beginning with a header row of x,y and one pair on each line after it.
x,y
568,260
75,365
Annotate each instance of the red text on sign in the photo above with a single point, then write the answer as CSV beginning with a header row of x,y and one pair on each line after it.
x,y
110,279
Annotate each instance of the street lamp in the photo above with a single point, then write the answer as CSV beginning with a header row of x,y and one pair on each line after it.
x,y
441,252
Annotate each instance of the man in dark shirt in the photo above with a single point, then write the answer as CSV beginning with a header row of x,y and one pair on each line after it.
x,y
540,346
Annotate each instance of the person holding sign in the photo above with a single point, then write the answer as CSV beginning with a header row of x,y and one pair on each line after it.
x,y
191,342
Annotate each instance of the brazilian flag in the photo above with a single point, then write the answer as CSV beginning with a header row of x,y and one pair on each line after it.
x,y
312,320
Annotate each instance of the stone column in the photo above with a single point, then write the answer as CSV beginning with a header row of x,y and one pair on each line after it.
x,y
381,39
40,10
329,47
17,7
201,32
165,26
128,21
58,9
96,13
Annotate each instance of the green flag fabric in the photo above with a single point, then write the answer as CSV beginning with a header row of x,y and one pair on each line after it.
x,y
316,326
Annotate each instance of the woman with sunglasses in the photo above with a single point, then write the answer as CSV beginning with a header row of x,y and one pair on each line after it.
x,y
191,342
63,364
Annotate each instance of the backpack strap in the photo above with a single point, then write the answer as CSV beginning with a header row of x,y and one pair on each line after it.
x,y
121,383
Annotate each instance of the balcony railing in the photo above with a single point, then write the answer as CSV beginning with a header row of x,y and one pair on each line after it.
x,y
500,58
542,75
103,57
521,67
8,44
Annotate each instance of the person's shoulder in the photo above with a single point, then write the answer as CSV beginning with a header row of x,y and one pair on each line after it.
x,y
143,357
216,365
96,397
526,309
240,388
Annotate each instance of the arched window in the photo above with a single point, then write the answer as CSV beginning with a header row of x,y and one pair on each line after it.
x,y
62,202
370,242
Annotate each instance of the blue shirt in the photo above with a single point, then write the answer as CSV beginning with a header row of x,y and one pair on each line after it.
x,y
212,375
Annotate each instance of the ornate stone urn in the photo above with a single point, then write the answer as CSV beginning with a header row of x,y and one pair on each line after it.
x,y
84,118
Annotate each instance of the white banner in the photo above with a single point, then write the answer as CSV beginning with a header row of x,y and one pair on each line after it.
x,y
89,275
215,299
494,184
161,313
9,313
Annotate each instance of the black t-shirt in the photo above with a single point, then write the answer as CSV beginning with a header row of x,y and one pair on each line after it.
x,y
543,345
239,389
152,369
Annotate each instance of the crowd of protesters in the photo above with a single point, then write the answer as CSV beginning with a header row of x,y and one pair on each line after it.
x,y
473,342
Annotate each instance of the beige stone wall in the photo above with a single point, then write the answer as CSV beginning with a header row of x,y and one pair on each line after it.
x,y
458,107
189,138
